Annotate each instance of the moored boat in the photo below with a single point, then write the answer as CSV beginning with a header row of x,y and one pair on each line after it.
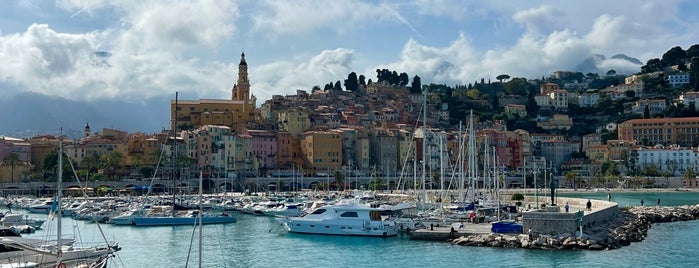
x,y
342,219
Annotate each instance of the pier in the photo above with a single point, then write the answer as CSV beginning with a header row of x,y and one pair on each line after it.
x,y
444,232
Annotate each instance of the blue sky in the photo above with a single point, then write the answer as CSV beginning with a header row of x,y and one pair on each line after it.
x,y
157,47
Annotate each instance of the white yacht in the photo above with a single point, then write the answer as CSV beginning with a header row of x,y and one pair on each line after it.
x,y
349,219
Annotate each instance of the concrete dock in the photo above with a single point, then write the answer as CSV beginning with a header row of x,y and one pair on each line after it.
x,y
443,233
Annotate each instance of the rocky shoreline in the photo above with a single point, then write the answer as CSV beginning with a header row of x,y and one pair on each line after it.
x,y
628,226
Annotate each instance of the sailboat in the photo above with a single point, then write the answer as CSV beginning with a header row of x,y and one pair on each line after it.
x,y
17,252
175,217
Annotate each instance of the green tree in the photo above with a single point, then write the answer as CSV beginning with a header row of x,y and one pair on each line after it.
x,y
351,83
416,86
692,51
518,86
652,65
611,72
694,73
403,79
502,77
11,160
339,179
50,164
518,198
110,162
362,80
674,56
646,112
337,86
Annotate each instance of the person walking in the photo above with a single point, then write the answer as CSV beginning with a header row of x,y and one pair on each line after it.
x,y
658,201
589,205
566,207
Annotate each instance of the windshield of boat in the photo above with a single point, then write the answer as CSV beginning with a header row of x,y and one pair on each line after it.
x,y
319,211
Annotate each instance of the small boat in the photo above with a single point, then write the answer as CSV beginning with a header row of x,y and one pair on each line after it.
x,y
14,219
41,206
342,219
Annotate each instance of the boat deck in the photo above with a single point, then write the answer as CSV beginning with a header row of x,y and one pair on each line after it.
x,y
444,233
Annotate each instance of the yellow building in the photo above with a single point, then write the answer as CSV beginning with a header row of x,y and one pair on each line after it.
x,y
294,121
619,149
192,114
518,109
322,150
559,121
598,153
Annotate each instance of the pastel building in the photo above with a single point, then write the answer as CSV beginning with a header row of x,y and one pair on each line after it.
x,y
682,131
322,150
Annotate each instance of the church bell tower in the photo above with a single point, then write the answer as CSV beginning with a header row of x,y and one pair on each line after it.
x,y
241,90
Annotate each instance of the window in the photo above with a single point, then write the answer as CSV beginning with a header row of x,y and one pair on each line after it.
x,y
349,214
318,211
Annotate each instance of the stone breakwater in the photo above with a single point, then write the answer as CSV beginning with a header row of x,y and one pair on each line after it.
x,y
627,227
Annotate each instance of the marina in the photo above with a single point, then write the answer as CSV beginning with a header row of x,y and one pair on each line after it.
x,y
255,241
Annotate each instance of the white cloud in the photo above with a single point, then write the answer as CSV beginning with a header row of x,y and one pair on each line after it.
x,y
285,77
537,20
278,17
158,46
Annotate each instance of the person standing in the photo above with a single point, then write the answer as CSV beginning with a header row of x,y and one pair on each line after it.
x,y
609,197
658,201
641,201
530,233
589,205
566,207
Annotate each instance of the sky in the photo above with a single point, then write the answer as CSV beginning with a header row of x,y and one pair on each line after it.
x,y
137,50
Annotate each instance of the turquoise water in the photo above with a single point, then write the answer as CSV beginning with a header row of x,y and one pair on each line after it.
x,y
250,243
629,199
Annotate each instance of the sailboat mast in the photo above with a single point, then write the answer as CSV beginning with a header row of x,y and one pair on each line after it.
x,y
424,145
461,165
441,171
174,155
59,193
201,211
472,158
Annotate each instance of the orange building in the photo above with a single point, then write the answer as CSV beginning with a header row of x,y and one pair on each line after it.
x,y
680,131
322,150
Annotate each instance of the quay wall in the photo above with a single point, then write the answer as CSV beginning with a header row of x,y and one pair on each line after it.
x,y
554,220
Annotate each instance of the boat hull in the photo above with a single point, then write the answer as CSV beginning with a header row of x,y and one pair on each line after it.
x,y
168,221
377,229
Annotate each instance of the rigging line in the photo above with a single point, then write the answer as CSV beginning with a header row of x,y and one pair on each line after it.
x,y
84,191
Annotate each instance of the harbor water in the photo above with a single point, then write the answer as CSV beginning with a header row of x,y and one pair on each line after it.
x,y
255,241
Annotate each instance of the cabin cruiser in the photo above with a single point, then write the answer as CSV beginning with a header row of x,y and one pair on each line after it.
x,y
342,219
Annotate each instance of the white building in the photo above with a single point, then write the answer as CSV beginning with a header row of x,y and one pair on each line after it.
x,y
690,97
673,159
588,99
654,106
677,80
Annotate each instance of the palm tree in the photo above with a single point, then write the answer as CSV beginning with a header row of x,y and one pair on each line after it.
x,y
11,160
110,162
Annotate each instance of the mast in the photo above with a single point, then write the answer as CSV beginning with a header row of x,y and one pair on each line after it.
x,y
201,211
174,155
461,165
424,145
472,158
441,172
59,196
